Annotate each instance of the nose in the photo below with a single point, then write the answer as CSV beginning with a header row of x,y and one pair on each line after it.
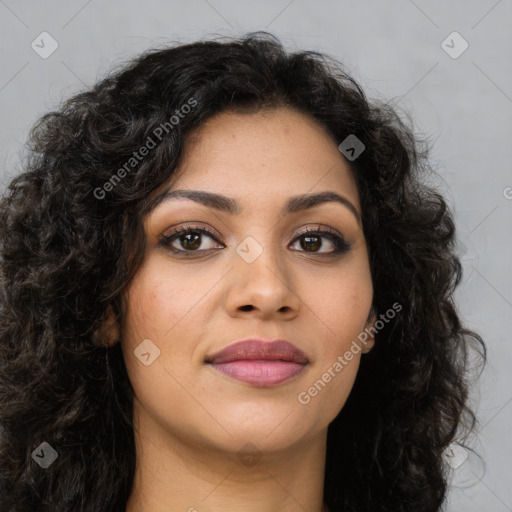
x,y
263,288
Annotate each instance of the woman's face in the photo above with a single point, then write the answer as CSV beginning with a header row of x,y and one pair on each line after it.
x,y
257,275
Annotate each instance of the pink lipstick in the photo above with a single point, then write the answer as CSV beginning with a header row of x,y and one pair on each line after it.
x,y
259,362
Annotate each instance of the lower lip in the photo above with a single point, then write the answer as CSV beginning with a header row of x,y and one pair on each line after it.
x,y
262,373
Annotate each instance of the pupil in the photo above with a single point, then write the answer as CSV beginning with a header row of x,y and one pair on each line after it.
x,y
307,243
193,245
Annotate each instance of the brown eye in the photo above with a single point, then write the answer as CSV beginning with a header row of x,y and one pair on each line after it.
x,y
311,241
189,239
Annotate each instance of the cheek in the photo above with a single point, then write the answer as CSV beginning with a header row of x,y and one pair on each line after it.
x,y
327,390
343,303
163,309
159,300
160,314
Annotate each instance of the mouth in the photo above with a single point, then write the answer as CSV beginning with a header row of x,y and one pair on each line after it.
x,y
259,362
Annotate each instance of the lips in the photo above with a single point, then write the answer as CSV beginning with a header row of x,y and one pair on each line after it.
x,y
259,362
258,349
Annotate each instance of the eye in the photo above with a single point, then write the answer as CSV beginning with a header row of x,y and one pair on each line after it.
x,y
311,241
189,238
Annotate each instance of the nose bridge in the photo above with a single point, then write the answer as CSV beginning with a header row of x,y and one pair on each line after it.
x,y
259,259
260,277
260,242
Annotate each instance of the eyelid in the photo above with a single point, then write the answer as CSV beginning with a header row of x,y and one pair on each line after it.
x,y
165,239
189,225
319,227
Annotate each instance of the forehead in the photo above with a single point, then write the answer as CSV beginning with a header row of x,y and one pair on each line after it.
x,y
263,155
264,135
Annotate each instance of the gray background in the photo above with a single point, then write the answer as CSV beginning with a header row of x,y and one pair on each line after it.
x,y
395,50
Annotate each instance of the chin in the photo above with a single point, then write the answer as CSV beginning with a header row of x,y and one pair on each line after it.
x,y
267,432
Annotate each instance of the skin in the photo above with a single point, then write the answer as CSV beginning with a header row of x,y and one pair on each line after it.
x,y
192,422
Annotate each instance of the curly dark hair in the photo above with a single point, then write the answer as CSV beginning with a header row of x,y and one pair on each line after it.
x,y
72,238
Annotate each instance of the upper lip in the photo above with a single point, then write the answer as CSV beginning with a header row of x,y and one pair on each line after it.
x,y
259,349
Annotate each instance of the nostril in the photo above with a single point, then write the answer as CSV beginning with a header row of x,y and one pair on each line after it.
x,y
246,308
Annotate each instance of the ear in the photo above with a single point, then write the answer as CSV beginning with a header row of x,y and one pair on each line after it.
x,y
109,332
369,342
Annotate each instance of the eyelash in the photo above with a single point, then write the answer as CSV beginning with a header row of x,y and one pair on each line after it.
x,y
341,245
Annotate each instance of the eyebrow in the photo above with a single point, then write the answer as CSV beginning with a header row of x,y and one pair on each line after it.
x,y
229,205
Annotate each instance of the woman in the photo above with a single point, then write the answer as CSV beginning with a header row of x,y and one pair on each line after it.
x,y
227,286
